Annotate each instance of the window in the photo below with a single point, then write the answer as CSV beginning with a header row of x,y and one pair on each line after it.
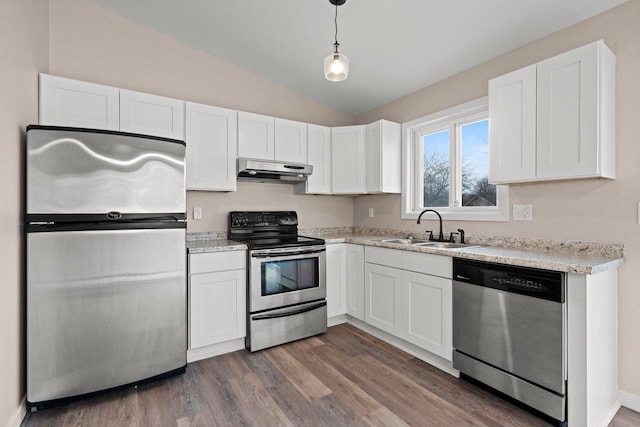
x,y
446,159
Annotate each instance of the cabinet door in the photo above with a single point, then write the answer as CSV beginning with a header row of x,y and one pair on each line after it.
x,y
151,115
319,156
348,162
290,141
568,99
212,141
383,293
512,130
256,136
427,312
336,289
354,263
67,102
383,151
217,307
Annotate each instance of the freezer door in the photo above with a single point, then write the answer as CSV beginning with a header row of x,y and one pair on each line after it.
x,y
104,308
75,171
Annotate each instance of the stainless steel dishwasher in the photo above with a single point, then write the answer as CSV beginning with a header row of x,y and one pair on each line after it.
x,y
509,331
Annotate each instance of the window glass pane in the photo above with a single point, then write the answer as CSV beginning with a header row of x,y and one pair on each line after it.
x,y
436,169
476,190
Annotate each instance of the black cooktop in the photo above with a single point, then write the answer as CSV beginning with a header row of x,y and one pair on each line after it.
x,y
267,229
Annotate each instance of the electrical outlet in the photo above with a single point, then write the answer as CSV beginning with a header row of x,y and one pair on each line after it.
x,y
522,212
370,212
197,213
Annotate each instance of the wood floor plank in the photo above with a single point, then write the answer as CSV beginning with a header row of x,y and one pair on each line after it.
x,y
383,417
309,385
343,388
345,377
256,404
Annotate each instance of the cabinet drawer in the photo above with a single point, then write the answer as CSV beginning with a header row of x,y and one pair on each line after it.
x,y
383,256
436,265
217,261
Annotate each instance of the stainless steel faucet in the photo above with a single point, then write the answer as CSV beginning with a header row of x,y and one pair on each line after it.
x,y
440,235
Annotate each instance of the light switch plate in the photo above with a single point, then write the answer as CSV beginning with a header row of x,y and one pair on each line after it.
x,y
522,212
370,212
197,213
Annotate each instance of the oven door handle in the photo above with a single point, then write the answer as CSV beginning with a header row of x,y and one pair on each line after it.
x,y
285,313
285,254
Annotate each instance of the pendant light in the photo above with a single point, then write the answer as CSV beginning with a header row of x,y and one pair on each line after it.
x,y
336,65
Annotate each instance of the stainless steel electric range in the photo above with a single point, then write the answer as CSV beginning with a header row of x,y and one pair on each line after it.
x,y
286,298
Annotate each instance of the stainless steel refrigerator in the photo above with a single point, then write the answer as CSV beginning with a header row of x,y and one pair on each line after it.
x,y
106,261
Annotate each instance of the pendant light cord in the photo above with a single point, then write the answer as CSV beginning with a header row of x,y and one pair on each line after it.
x,y
335,20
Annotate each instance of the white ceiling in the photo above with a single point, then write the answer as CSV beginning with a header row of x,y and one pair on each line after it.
x,y
395,46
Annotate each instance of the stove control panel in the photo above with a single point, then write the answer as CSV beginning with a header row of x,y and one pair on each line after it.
x,y
257,219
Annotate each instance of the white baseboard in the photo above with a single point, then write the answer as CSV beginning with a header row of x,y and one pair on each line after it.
x,y
19,415
193,355
629,400
424,355
336,320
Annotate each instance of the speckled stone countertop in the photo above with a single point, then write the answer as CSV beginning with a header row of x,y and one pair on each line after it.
x,y
558,255
212,242
567,256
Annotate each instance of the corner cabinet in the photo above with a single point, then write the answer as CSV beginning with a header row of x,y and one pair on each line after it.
x,y
554,119
383,153
409,295
348,161
211,136
217,303
354,266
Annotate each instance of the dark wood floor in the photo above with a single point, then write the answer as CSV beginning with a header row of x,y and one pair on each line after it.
x,y
342,378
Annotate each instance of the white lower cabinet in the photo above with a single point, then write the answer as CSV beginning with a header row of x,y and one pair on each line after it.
x,y
336,281
383,298
354,263
408,294
217,298
427,312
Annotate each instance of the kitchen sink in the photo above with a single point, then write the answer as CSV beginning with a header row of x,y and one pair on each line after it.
x,y
445,245
427,243
404,241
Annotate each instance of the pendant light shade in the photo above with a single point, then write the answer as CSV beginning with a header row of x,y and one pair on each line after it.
x,y
336,65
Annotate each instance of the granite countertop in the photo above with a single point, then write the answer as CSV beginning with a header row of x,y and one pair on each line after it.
x,y
566,256
570,257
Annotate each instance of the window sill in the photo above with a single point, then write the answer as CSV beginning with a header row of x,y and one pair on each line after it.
x,y
495,215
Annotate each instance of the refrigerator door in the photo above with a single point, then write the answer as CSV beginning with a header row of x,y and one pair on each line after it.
x,y
87,171
104,308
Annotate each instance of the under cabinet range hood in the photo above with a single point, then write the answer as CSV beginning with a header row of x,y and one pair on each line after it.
x,y
272,171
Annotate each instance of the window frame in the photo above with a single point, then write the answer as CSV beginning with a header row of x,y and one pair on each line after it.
x,y
412,159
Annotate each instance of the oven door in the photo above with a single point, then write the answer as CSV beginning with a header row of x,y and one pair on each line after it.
x,y
285,276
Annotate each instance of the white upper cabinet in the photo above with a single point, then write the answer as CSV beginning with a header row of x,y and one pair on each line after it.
x,y
348,162
576,119
290,141
256,136
569,100
67,102
512,130
319,156
383,151
212,139
151,114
